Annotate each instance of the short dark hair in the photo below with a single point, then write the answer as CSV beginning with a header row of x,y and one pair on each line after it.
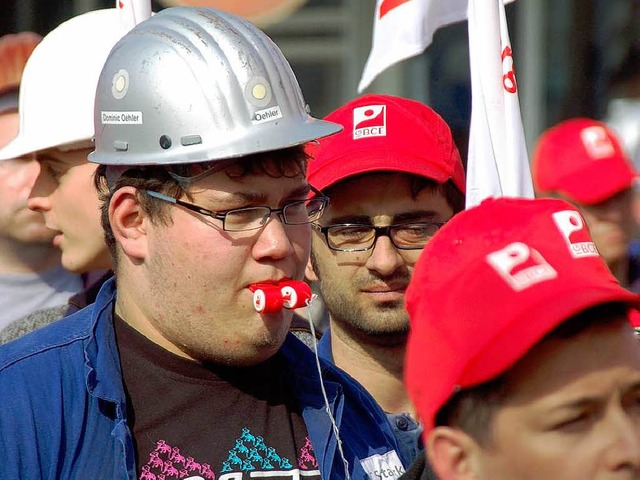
x,y
451,193
173,180
472,409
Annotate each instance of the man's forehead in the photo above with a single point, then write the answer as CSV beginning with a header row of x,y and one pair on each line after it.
x,y
57,156
592,359
250,188
378,178
384,218
373,196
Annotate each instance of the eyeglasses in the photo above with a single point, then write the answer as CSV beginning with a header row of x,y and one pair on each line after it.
x,y
350,237
252,218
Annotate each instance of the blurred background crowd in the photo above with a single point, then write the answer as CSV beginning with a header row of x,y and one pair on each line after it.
x,y
573,57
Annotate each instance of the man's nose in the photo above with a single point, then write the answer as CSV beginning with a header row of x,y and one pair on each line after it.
x,y
385,258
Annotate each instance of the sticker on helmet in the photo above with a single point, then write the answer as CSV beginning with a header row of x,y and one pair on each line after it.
x,y
120,84
266,115
121,118
258,92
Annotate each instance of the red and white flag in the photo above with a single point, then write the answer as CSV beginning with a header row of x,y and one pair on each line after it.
x,y
404,28
132,12
497,162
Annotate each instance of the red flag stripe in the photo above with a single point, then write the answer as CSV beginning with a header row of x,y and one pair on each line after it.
x,y
387,5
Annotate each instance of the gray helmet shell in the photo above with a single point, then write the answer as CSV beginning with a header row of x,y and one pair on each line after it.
x,y
197,84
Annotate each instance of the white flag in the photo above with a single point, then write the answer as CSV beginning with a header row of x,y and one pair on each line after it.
x,y
497,162
132,12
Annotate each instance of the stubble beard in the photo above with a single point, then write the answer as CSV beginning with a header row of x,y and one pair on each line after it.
x,y
383,324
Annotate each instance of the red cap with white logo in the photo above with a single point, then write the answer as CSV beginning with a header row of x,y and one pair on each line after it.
x,y
385,133
490,285
583,160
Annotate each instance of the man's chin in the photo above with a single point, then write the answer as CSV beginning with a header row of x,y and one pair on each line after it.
x,y
35,237
387,329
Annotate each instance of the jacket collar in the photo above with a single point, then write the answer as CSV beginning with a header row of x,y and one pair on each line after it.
x,y
102,362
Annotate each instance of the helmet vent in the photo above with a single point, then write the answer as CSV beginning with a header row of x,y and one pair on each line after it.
x,y
190,140
121,145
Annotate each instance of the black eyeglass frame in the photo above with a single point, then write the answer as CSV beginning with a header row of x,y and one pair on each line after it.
x,y
379,231
222,215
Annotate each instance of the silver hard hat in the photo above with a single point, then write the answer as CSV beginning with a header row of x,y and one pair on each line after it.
x,y
197,84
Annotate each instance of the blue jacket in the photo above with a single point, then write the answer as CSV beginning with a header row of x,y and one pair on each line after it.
x,y
63,412
407,431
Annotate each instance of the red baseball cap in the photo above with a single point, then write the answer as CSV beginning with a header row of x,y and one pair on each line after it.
x,y
490,285
583,160
385,133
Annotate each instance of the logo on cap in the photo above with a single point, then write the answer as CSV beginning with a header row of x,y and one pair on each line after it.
x,y
575,234
369,121
596,142
521,266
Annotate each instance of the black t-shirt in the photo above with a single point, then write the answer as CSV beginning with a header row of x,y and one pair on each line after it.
x,y
195,420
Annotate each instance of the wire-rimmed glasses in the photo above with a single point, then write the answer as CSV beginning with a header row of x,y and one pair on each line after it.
x,y
243,219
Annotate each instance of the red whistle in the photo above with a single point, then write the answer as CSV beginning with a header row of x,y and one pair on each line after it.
x,y
295,294
266,298
273,297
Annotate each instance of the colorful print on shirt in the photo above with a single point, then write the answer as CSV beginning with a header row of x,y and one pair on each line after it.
x,y
250,455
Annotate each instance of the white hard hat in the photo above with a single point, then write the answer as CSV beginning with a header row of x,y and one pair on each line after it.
x,y
58,85
197,84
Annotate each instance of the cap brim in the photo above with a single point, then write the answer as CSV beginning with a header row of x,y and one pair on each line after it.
x,y
375,160
597,183
297,133
21,146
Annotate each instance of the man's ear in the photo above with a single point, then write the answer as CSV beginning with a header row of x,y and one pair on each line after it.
x,y
451,453
128,223
309,272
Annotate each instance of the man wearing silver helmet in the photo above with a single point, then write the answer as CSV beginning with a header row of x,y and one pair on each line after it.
x,y
183,367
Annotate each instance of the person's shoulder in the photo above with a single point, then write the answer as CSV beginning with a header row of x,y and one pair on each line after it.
x,y
303,361
302,330
48,341
31,322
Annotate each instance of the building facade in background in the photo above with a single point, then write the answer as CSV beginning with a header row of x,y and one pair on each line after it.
x,y
567,54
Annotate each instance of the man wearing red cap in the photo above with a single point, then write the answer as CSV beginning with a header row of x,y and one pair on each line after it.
x,y
582,161
394,177
521,360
